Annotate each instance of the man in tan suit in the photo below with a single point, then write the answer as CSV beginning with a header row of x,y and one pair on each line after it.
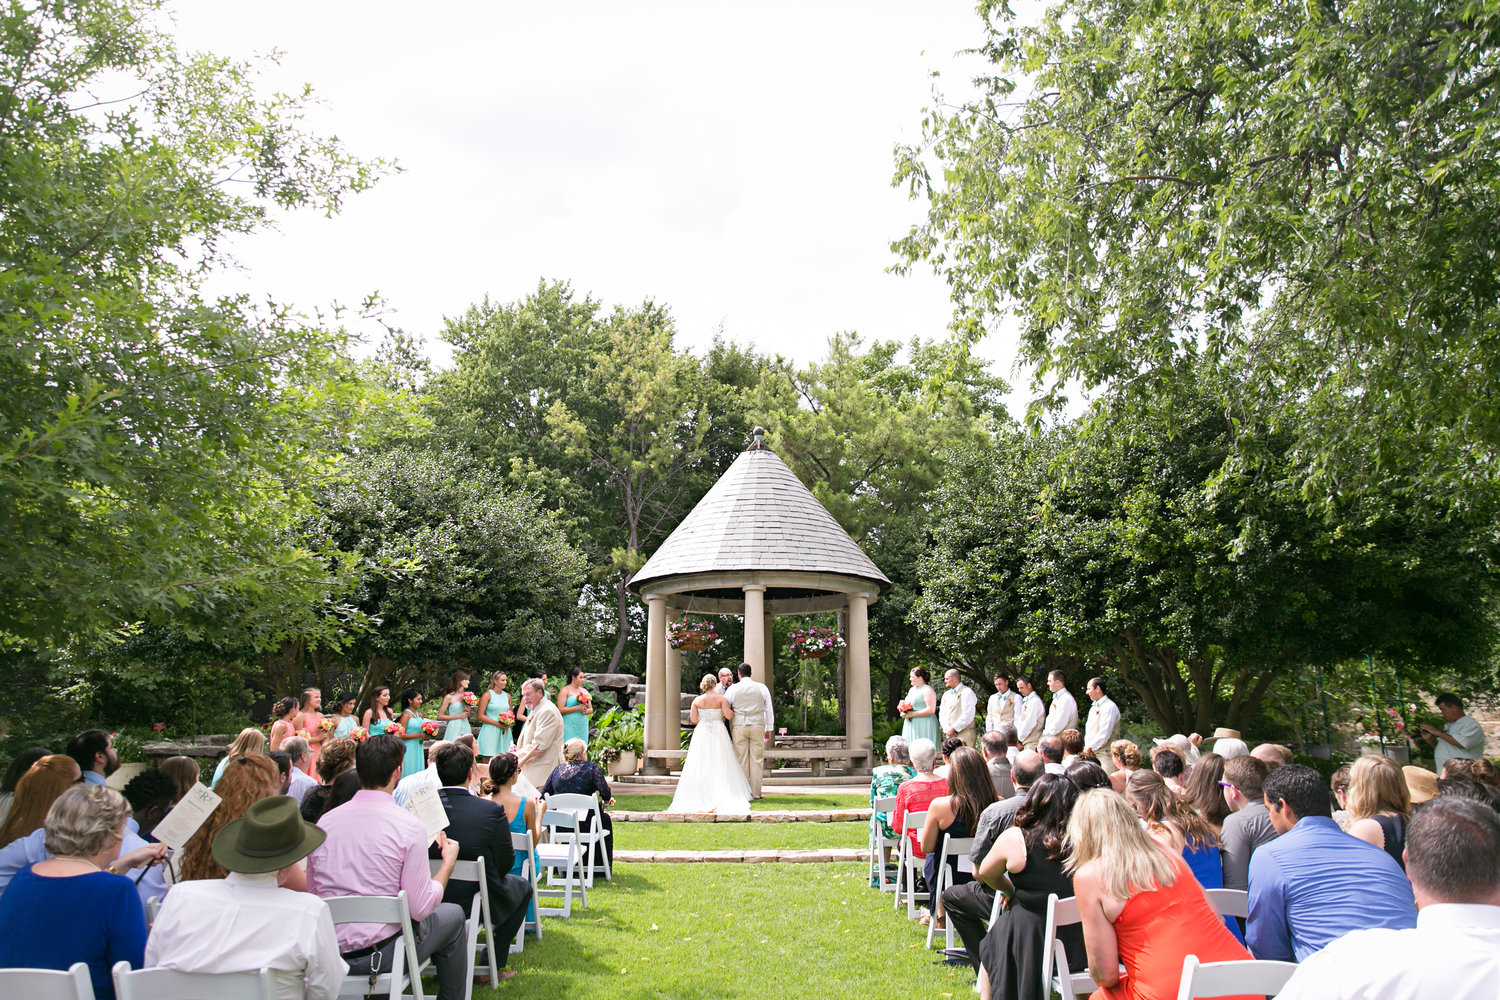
x,y
753,721
542,736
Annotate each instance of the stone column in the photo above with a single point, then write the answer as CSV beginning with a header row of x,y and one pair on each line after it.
x,y
770,647
672,686
656,682
755,638
857,677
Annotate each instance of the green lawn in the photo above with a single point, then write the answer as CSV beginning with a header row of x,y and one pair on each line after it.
x,y
737,836
706,931
805,803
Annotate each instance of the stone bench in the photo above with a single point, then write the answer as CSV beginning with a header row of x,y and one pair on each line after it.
x,y
814,757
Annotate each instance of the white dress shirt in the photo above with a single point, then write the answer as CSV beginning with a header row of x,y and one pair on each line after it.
x,y
1062,715
956,709
244,923
1029,716
300,785
751,698
426,776
1453,953
1104,716
994,712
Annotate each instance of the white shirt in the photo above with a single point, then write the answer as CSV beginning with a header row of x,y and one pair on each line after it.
x,y
751,698
300,784
1062,715
1104,716
994,712
1453,954
1467,732
1029,716
244,923
426,776
956,710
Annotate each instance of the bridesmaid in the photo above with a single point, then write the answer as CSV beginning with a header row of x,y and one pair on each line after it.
x,y
378,716
409,728
452,709
346,720
312,722
284,724
494,739
574,704
921,720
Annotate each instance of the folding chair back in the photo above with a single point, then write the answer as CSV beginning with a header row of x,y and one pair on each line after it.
x,y
405,970
168,984
908,864
561,854
523,846
1056,976
479,916
48,984
153,907
1217,979
591,832
953,847
1230,902
879,842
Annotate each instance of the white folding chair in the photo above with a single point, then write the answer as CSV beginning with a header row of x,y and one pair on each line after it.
x,y
522,844
591,830
560,854
1217,979
953,847
1230,902
995,909
405,970
1056,976
153,907
479,917
908,865
879,842
169,984
48,984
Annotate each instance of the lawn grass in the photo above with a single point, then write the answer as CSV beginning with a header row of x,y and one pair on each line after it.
x,y
738,836
734,931
805,803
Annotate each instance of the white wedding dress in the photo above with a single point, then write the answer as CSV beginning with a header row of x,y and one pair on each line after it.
x,y
711,779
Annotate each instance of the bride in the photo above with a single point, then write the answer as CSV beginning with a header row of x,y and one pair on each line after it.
x,y
711,779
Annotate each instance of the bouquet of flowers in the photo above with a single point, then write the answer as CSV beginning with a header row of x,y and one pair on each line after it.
x,y
584,698
815,643
359,734
904,706
431,727
304,734
470,699
506,718
328,724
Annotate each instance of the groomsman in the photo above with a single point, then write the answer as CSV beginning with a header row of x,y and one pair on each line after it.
x,y
1002,705
1104,718
1063,713
1029,714
956,710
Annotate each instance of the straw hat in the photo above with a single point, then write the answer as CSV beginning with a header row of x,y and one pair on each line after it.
x,y
1226,734
1421,782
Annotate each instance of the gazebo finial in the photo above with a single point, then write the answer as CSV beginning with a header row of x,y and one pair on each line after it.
x,y
758,442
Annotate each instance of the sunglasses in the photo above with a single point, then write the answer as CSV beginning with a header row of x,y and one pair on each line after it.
x,y
1227,784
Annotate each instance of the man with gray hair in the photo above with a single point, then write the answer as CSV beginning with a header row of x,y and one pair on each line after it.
x,y
541,740
995,744
299,782
427,776
1453,953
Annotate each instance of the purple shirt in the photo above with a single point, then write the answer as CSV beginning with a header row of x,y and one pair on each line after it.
x,y
374,848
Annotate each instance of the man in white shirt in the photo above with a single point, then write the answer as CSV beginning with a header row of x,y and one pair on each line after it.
x,y
1002,705
1104,718
753,716
244,922
1461,737
1029,715
1453,861
1063,713
957,707
726,681
299,782
427,776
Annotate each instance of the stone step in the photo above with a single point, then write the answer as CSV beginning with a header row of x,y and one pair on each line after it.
x,y
749,857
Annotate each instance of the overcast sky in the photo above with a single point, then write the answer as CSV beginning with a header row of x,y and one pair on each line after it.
x,y
731,161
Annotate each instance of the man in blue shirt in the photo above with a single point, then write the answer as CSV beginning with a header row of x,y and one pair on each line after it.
x,y
1315,883
95,753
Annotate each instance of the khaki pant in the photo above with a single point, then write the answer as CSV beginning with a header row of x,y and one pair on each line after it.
x,y
1033,741
750,748
967,735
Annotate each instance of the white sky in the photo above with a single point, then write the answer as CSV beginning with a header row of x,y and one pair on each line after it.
x,y
731,161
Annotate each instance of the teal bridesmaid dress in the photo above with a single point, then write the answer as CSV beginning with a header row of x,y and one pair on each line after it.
x,y
495,740
575,724
416,760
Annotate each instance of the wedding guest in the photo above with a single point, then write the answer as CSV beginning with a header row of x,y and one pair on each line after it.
x,y
310,726
376,848
1453,953
245,922
995,744
524,813
1461,736
184,772
955,815
921,720
1103,719
246,779
494,738
426,776
408,729
1205,793
1063,712
1186,746
335,759
1141,906
1168,763
1085,774
956,708
888,778
1274,754
1314,883
483,831
283,762
575,705
94,751
299,782
540,745
918,792
452,709
1027,862
18,767
1030,714
1338,783
1181,829
1468,788
378,716
250,740
344,716
78,885
577,775
949,745
1248,824
284,715
1051,749
1126,757
37,789
1379,805
1421,784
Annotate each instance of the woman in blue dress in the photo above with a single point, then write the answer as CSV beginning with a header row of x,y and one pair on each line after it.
x,y
576,707
345,720
921,718
409,728
378,717
525,815
494,736
453,710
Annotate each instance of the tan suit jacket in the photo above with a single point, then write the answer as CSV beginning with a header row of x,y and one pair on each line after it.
x,y
545,729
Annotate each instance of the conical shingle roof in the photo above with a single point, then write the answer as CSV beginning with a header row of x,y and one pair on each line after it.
x,y
759,517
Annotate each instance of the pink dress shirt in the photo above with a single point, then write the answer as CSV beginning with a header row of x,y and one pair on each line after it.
x,y
374,848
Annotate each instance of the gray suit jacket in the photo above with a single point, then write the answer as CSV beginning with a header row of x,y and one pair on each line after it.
x,y
1000,777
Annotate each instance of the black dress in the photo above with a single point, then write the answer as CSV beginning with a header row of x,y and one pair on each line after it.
x,y
1394,828
584,777
1012,950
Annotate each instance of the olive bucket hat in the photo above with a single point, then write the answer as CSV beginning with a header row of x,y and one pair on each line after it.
x,y
270,836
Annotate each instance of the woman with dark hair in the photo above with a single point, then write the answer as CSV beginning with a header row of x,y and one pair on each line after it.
x,y
1205,794
378,716
184,772
336,759
955,815
344,719
328,797
1181,829
409,728
18,767
1027,863
1086,774
920,710
453,709
576,707
283,721
524,814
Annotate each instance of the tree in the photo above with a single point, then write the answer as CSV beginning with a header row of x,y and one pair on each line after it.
x,y
1303,192
157,446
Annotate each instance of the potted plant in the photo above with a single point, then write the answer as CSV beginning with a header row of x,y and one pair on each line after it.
x,y
814,642
693,635
620,741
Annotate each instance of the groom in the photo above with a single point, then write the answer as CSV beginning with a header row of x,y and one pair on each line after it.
x,y
753,722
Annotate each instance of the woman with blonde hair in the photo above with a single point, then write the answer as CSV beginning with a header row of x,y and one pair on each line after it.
x,y
1379,805
184,772
577,775
1139,903
711,779
250,740
38,788
246,779
1126,757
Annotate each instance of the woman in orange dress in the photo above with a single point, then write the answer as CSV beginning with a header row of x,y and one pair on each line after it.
x,y
1140,904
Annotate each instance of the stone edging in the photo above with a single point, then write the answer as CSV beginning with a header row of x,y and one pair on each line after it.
x,y
769,816
749,857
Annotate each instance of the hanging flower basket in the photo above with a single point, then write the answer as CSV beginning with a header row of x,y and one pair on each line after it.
x,y
815,643
692,635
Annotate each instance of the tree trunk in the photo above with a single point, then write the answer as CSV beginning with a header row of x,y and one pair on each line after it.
x,y
377,671
622,608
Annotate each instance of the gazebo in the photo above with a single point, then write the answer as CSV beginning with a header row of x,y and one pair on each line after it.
x,y
757,545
